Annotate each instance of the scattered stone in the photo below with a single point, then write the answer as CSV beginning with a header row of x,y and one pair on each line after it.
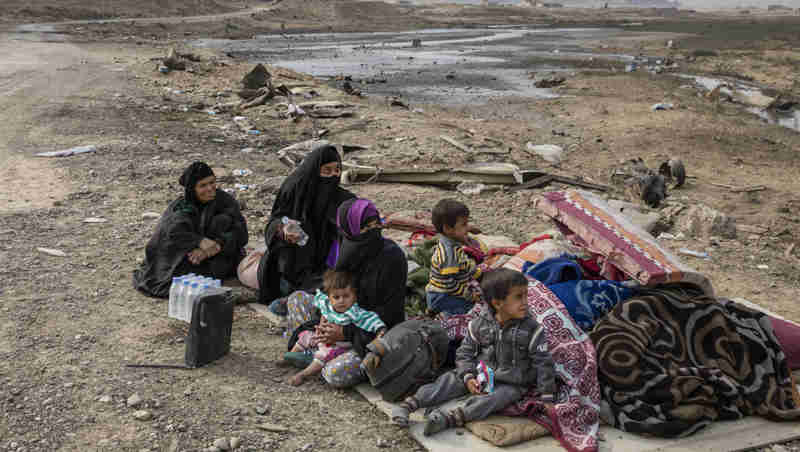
x,y
637,214
105,399
174,445
173,61
267,427
222,444
142,415
779,448
662,106
703,221
94,220
52,252
262,409
383,444
69,152
549,82
256,78
307,447
134,401
235,443
550,152
470,188
150,215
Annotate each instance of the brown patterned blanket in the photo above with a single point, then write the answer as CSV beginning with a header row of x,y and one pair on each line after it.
x,y
673,360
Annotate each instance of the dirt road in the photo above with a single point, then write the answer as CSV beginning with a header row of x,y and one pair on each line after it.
x,y
36,77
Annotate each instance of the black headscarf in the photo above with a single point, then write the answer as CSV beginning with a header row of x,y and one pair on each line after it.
x,y
354,247
191,175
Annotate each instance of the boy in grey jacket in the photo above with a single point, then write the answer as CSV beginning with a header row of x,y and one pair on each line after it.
x,y
506,339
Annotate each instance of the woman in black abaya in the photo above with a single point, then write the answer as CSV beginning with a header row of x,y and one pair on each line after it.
x,y
310,195
202,232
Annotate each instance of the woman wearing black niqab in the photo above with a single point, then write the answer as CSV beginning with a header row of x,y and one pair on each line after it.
x,y
202,232
310,195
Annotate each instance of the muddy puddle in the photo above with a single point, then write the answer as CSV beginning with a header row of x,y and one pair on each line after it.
x,y
449,66
37,33
751,97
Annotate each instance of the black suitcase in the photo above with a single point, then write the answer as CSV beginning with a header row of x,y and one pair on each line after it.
x,y
209,336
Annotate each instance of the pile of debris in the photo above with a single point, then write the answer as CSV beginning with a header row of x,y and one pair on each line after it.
x,y
641,183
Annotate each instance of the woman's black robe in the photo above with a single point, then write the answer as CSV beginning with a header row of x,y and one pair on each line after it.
x,y
179,231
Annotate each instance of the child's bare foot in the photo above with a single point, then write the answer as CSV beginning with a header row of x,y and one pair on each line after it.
x,y
296,379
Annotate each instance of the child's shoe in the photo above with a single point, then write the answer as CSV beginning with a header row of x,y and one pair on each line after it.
x,y
437,421
402,410
400,415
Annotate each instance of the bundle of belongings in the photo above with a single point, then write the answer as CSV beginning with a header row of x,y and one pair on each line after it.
x,y
637,338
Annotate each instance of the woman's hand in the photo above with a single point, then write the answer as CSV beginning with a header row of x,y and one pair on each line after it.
x,y
330,333
196,256
210,247
289,237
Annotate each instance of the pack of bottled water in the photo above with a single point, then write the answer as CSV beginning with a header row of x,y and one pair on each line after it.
x,y
183,293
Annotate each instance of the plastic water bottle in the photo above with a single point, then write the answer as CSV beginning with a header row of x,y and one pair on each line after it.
x,y
173,295
293,226
194,290
181,295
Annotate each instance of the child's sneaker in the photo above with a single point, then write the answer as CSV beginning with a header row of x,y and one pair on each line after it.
x,y
402,410
400,415
437,421
301,360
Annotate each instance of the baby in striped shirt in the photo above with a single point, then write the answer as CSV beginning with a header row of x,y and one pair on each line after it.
x,y
336,305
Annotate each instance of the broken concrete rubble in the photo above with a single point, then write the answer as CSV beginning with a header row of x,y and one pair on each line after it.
x,y
549,82
642,217
486,173
257,78
642,183
292,155
702,221
546,179
550,152
173,61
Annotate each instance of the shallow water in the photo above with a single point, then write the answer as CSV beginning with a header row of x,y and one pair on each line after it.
x,y
452,66
789,119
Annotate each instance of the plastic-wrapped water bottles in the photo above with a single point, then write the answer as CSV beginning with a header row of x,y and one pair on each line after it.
x,y
183,293
293,227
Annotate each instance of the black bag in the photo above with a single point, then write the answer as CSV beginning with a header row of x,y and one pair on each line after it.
x,y
209,336
411,354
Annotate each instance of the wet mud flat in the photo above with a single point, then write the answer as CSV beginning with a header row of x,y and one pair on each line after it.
x,y
447,66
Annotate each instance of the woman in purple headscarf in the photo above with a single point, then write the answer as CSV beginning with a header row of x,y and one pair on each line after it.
x,y
380,269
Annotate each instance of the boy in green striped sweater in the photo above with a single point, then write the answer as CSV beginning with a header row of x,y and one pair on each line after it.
x,y
336,305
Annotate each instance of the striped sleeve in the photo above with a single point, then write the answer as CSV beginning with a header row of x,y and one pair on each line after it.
x,y
366,320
